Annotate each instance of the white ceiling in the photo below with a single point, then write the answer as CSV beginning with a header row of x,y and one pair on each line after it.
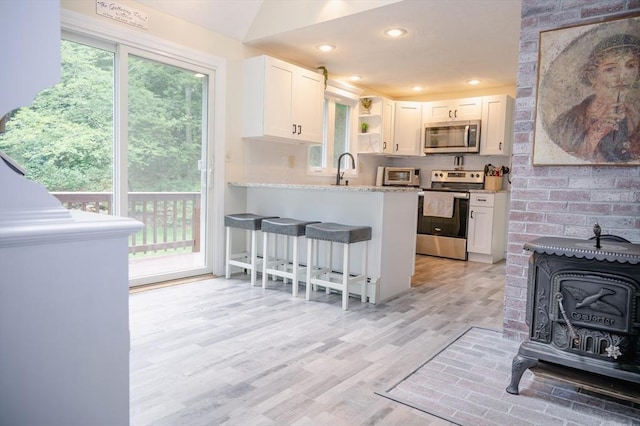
x,y
449,41
232,18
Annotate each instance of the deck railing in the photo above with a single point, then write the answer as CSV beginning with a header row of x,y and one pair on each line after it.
x,y
171,219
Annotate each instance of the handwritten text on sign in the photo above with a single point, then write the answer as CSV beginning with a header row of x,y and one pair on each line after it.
x,y
119,12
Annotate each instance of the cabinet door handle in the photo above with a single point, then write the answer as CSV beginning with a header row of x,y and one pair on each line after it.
x,y
455,113
471,214
450,114
482,199
500,146
397,147
384,145
299,129
294,129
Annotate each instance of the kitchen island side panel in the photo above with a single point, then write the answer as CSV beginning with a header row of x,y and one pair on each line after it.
x,y
391,215
64,321
399,249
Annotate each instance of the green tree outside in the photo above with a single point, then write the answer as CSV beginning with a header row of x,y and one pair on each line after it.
x,y
65,138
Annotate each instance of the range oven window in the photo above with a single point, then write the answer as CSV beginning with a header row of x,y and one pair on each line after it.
x,y
399,176
455,226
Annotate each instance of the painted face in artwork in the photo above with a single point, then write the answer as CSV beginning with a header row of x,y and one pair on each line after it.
x,y
615,74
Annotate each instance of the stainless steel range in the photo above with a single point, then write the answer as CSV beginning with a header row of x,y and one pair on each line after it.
x,y
443,211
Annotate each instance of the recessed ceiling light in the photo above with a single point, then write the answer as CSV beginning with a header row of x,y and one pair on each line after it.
x,y
326,47
355,78
416,88
395,32
473,82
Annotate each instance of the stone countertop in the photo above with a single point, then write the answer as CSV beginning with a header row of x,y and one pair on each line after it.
x,y
487,191
357,188
475,191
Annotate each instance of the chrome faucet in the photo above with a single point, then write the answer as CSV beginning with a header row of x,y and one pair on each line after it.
x,y
353,164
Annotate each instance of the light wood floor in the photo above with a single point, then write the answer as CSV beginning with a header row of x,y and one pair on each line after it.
x,y
222,352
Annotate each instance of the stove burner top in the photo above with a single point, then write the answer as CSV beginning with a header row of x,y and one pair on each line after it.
x,y
457,180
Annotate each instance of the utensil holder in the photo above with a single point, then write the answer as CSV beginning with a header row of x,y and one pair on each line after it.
x,y
493,183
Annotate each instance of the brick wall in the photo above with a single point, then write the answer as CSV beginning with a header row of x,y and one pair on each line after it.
x,y
559,200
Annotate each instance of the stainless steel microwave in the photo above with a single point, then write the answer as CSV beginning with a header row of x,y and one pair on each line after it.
x,y
452,137
401,176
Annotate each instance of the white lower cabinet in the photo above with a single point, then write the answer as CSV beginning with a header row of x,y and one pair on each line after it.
x,y
486,230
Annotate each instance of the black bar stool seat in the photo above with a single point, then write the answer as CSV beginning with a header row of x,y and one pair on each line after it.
x,y
247,260
286,267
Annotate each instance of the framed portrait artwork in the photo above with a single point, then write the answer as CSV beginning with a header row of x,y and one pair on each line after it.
x,y
588,100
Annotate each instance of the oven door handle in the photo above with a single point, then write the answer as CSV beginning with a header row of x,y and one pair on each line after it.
x,y
463,195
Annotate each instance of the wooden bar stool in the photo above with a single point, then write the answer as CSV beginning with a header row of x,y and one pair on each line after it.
x,y
325,276
286,267
247,260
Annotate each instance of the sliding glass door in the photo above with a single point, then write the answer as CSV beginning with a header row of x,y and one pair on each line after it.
x,y
167,159
128,133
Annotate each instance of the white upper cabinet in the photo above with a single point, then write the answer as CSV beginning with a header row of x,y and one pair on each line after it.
x,y
308,105
496,131
407,135
281,101
388,120
452,110
377,137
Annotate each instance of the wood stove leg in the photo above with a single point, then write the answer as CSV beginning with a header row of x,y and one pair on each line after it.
x,y
518,366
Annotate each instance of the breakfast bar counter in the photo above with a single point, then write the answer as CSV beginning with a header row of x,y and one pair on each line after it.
x,y
341,188
390,211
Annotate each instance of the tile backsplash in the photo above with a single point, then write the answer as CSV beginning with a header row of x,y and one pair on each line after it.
x,y
276,162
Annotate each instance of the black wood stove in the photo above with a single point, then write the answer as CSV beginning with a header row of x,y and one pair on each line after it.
x,y
583,307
